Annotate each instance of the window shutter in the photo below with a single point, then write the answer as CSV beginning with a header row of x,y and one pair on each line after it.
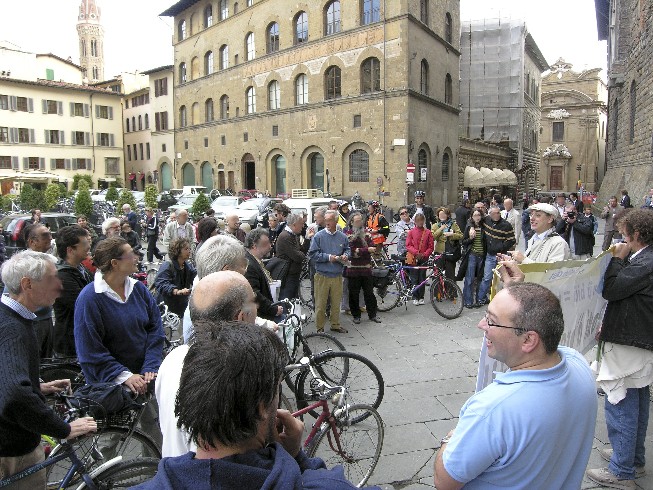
x,y
13,135
156,88
41,163
44,104
97,111
47,136
66,163
110,112
87,139
53,164
97,139
62,138
15,164
164,90
72,109
73,140
88,164
25,163
156,121
85,110
30,105
32,139
74,163
60,108
13,103
111,141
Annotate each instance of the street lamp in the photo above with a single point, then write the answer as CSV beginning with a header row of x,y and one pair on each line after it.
x,y
579,168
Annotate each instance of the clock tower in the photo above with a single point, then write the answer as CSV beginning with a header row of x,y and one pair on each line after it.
x,y
91,41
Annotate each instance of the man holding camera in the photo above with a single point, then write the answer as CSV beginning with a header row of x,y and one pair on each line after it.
x,y
576,229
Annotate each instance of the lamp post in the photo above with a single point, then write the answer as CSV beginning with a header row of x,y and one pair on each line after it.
x,y
579,167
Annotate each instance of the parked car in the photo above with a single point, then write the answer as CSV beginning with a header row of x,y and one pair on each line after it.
x,y
14,224
177,193
247,193
165,200
307,206
255,211
223,205
102,195
186,201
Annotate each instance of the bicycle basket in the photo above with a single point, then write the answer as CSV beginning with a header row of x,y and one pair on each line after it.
x,y
381,277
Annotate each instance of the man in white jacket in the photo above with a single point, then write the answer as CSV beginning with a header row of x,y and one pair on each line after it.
x,y
545,245
512,216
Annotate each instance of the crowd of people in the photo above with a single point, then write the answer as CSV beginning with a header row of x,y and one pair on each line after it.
x,y
214,410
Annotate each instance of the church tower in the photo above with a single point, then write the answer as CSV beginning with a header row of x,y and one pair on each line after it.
x,y
91,41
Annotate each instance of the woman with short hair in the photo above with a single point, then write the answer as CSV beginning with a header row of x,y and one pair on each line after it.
x,y
445,231
175,277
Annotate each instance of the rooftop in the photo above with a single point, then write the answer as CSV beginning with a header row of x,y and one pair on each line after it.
x,y
62,85
178,7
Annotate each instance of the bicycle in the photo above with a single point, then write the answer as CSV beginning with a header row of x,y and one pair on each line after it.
x,y
351,435
115,473
64,368
117,436
445,294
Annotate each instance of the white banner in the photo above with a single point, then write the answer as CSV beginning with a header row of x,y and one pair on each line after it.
x,y
578,285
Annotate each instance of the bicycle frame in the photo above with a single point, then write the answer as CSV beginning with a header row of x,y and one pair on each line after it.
x,y
325,416
402,270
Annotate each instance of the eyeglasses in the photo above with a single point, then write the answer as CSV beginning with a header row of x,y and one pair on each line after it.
x,y
490,325
404,212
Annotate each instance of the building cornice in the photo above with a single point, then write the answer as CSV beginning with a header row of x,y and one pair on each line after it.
x,y
61,85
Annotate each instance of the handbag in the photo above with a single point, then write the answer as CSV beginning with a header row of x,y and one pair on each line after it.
x,y
452,250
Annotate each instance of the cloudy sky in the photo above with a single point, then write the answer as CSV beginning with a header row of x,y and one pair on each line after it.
x,y
136,38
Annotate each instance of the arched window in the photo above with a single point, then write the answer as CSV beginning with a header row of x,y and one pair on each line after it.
x,y
445,165
633,110
224,107
424,78
448,89
195,114
181,30
224,9
96,73
182,72
133,123
272,37
301,90
250,3
422,163
127,125
191,23
424,11
93,47
274,95
140,122
332,83
83,47
224,57
279,168
448,28
208,110
208,16
195,68
250,48
183,120
370,11
235,8
301,28
250,96
370,76
359,166
147,121
332,18
208,63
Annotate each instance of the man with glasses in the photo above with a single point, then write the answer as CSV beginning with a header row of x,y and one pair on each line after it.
x,y
534,425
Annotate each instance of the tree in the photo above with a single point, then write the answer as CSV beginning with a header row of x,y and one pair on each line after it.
x,y
126,197
201,205
150,196
31,198
112,193
83,201
79,178
52,194
7,201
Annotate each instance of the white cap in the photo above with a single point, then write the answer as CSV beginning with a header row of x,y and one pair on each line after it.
x,y
546,208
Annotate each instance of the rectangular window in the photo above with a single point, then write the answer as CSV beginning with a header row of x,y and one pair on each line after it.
x,y
82,164
161,87
163,147
79,138
103,139
223,140
206,142
185,144
140,147
112,165
23,135
129,153
275,130
50,107
245,137
5,162
4,102
357,120
21,104
558,132
4,135
49,74
52,136
135,152
33,163
59,164
103,112
147,150
79,109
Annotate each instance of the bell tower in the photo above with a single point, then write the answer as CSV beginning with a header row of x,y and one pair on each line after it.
x,y
91,41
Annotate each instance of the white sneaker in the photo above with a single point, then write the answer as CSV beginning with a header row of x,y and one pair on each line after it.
x,y
415,302
421,301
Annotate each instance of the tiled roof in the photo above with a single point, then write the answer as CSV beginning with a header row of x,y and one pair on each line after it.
x,y
63,85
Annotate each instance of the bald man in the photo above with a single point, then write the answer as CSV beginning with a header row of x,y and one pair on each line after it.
x,y
221,297
232,227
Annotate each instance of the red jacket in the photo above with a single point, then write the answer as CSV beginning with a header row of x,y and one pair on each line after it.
x,y
416,244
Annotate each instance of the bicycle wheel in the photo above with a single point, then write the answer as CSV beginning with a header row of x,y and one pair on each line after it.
x,y
446,298
70,371
316,343
360,377
127,474
355,445
305,291
110,442
388,297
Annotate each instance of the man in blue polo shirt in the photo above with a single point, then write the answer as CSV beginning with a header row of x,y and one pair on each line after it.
x,y
533,427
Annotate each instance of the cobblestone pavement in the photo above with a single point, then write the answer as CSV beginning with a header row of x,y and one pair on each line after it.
x,y
429,365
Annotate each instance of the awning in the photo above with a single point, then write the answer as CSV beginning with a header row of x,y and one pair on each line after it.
x,y
509,177
32,176
470,176
107,179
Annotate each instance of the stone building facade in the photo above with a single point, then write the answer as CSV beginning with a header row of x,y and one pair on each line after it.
x,y
340,96
627,26
91,41
574,118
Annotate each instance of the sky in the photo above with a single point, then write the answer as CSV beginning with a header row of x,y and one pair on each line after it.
x,y
136,38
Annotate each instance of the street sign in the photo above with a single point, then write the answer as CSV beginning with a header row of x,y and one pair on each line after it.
x,y
383,194
379,181
423,174
410,168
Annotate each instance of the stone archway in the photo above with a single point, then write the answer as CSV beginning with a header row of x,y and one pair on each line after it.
x,y
248,171
188,174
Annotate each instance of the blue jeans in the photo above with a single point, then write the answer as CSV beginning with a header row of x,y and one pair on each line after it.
x,y
484,289
627,422
473,269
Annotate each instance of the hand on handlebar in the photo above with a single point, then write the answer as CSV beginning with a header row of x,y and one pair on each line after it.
x,y
289,432
56,386
137,384
81,426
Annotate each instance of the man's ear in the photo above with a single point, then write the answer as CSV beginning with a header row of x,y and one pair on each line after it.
x,y
531,341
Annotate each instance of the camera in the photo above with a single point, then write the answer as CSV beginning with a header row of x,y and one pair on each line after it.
x,y
571,214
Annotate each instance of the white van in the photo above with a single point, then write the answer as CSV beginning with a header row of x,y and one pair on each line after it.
x,y
307,205
188,190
